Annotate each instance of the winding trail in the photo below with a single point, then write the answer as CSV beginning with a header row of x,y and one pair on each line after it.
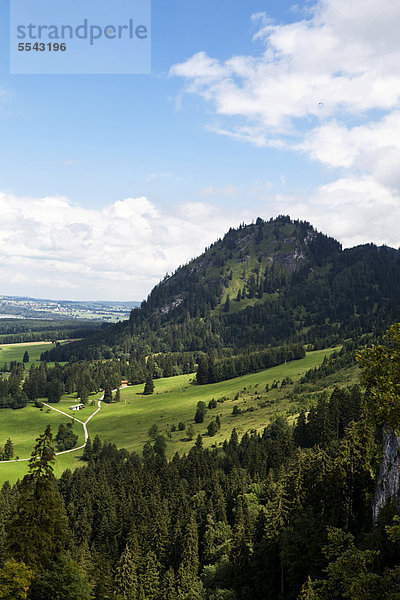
x,y
83,423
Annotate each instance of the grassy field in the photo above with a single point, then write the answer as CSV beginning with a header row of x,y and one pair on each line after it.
x,y
25,425
174,400
16,352
17,470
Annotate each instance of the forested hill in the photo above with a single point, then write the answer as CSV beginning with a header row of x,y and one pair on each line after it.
x,y
262,284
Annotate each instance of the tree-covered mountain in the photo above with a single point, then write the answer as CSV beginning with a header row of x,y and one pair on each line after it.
x,y
262,284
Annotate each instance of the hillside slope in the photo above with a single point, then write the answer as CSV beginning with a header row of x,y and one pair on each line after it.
x,y
266,283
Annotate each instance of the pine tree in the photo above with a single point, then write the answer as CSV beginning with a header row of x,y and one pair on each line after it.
x,y
150,578
202,369
149,387
87,451
38,528
8,452
117,395
169,586
96,447
107,393
126,578
227,304
212,428
301,431
189,563
26,357
153,431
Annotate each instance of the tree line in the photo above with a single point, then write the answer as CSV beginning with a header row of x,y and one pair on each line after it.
x,y
212,371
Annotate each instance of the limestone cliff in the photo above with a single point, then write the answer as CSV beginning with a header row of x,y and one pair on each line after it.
x,y
389,476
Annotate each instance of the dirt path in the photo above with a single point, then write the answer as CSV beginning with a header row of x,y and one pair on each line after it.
x,y
83,423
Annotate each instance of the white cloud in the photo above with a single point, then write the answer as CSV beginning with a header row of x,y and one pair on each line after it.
x,y
343,58
372,147
353,210
49,247
326,85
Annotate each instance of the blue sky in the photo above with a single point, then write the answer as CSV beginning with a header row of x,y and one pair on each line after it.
x,y
120,130
107,182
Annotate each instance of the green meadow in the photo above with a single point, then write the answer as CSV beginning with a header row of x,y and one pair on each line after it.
x,y
17,470
16,352
174,400
23,426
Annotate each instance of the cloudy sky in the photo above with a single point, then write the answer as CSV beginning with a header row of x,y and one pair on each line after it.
x,y
253,108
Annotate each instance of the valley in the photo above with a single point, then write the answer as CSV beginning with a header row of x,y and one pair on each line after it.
x,y
38,308
126,423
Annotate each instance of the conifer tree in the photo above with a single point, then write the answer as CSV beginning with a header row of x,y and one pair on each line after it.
x,y
96,447
126,578
8,452
160,446
107,393
169,585
202,369
190,432
87,451
227,304
149,386
189,563
38,528
150,578
300,431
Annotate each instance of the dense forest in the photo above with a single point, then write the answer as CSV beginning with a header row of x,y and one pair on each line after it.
x,y
283,514
264,284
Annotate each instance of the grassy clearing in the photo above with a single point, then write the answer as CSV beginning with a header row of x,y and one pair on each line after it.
x,y
175,400
69,400
127,424
17,470
23,427
16,352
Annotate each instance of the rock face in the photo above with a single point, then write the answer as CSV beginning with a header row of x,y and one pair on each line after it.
x,y
389,476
